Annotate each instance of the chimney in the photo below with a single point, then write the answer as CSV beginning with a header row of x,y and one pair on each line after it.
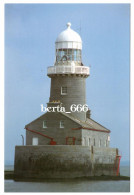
x,y
88,113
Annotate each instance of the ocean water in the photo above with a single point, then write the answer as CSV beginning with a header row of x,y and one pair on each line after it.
x,y
70,185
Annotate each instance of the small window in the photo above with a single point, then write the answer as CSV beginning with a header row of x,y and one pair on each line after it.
x,y
44,124
61,124
89,141
100,143
35,141
63,90
94,141
106,143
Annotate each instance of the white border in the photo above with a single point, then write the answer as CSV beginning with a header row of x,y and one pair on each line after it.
x,y
2,2
2,97
67,1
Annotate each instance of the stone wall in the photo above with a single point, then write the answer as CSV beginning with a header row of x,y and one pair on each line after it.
x,y
76,93
86,134
63,161
60,134
53,129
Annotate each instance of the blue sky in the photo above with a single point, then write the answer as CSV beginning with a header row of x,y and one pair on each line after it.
x,y
30,34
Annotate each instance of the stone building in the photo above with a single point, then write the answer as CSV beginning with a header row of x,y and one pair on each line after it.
x,y
68,77
67,122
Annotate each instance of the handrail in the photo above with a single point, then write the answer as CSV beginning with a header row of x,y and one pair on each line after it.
x,y
39,133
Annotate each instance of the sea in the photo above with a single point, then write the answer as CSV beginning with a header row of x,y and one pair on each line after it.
x,y
69,185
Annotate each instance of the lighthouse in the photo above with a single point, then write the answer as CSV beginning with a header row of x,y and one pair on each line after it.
x,y
65,142
74,125
68,75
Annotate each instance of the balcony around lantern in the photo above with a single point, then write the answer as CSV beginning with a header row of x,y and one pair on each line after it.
x,y
63,69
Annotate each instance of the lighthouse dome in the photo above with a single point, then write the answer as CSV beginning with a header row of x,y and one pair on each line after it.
x,y
69,35
68,39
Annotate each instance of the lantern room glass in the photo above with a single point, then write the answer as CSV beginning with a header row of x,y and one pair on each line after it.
x,y
68,55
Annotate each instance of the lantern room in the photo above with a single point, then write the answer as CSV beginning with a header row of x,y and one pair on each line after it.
x,y
68,46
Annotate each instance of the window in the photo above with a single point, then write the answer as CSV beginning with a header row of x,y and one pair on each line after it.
x,y
100,143
89,141
35,141
61,124
94,141
44,124
71,55
63,90
106,143
75,54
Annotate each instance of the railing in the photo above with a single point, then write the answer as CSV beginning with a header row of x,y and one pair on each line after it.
x,y
68,70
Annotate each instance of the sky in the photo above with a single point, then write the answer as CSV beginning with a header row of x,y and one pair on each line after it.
x,y
30,34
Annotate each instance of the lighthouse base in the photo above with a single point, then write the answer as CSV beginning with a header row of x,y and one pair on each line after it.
x,y
67,161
